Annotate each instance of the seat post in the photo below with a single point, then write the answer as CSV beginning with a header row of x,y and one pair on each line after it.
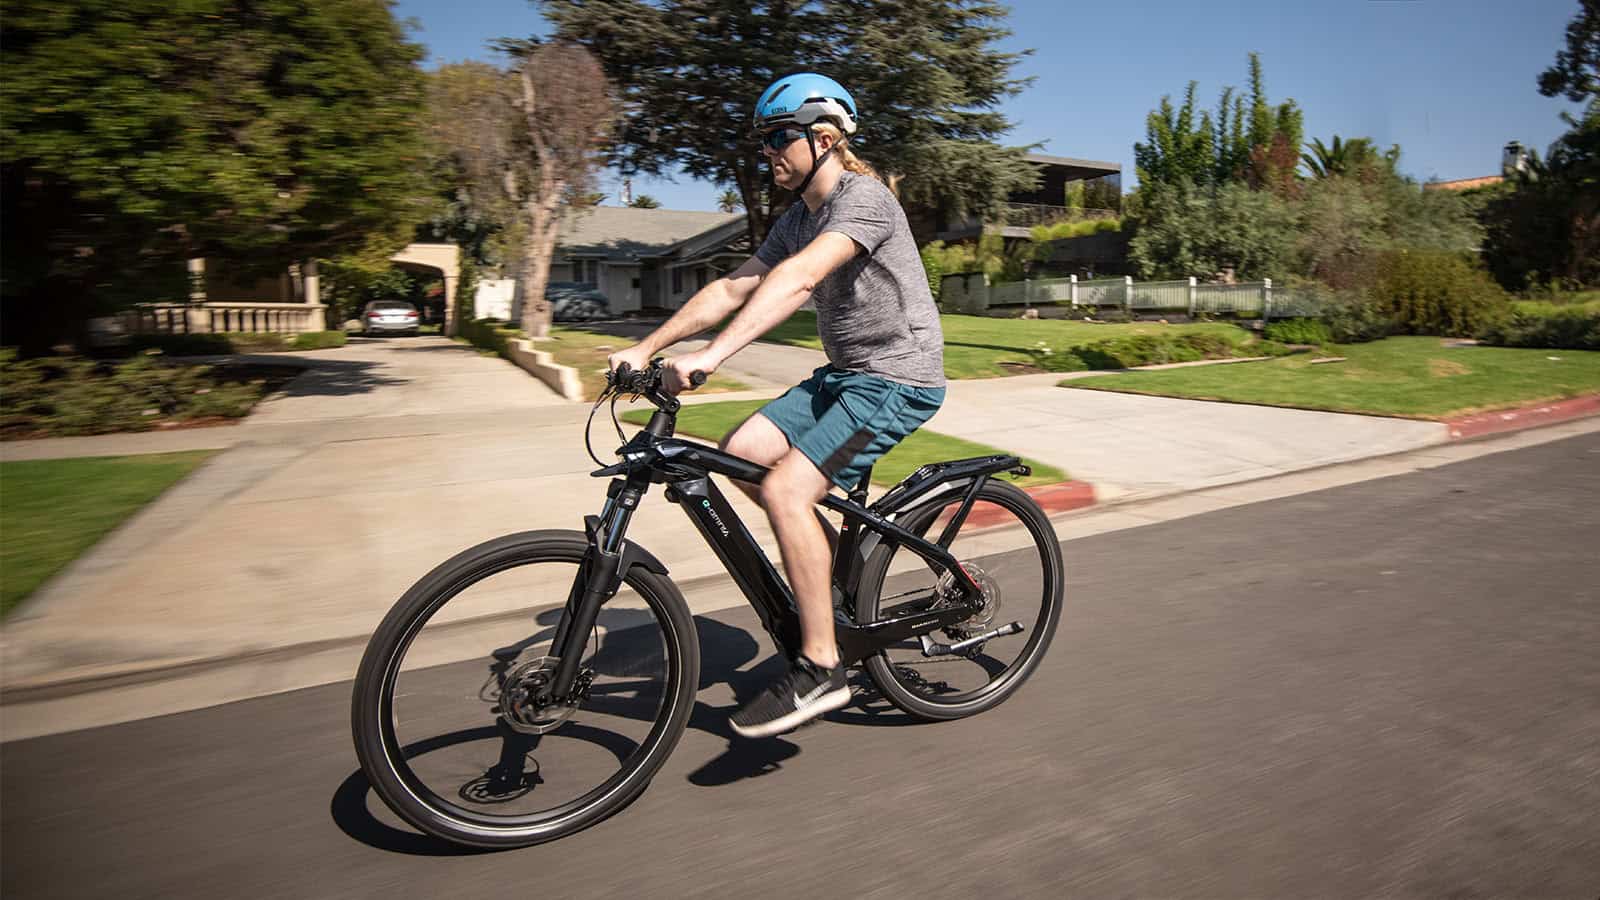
x,y
858,494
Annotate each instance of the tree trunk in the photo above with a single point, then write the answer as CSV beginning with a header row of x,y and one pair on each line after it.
x,y
544,225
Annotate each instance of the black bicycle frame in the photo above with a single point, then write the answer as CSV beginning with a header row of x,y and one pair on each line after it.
x,y
685,467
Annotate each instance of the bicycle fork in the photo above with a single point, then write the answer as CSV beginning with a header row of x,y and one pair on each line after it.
x,y
599,578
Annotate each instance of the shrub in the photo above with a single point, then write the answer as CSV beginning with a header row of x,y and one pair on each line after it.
x,y
1546,325
72,395
1142,350
1299,331
225,342
489,334
1434,292
1353,318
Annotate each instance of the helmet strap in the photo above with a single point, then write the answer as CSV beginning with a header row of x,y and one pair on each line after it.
x,y
816,162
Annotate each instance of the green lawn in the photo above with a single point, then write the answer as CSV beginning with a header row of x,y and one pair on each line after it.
x,y
713,420
979,347
53,510
1411,377
587,351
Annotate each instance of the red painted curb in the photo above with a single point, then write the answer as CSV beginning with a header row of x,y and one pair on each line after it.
x,y
1523,417
1053,498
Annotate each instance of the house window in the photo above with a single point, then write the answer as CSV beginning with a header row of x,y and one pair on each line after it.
x,y
636,284
586,271
699,278
677,281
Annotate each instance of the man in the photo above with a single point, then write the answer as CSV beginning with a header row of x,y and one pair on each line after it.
x,y
846,244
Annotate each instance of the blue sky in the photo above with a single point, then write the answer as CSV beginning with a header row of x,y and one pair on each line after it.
x,y
1450,82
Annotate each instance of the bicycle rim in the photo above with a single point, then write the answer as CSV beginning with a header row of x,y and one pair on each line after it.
x,y
1008,547
454,753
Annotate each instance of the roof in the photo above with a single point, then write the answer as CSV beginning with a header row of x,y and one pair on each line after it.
x,y
1104,168
624,233
1464,184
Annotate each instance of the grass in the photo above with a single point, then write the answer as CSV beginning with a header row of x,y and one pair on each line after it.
x,y
1409,377
981,347
55,509
712,421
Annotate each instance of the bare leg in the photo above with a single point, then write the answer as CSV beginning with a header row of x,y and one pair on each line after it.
x,y
790,494
760,441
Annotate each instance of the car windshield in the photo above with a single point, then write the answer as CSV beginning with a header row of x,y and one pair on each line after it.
x,y
390,304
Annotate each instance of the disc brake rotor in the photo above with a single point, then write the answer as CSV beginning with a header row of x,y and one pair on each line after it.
x,y
982,620
522,686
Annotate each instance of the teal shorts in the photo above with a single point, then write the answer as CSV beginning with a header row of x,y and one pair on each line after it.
x,y
844,421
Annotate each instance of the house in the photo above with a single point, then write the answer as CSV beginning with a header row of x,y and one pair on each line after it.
x,y
1046,204
648,258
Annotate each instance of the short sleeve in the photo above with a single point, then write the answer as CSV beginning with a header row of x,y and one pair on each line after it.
x,y
864,215
779,245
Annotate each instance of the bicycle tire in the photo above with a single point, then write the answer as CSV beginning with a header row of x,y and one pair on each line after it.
x,y
892,682
372,715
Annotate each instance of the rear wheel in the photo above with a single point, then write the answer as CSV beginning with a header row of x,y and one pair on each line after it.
x,y
1008,545
445,717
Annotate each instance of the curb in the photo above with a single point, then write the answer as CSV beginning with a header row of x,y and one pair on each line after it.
x,y
1053,498
1463,427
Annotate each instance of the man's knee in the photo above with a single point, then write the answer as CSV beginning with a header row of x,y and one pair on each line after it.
x,y
794,485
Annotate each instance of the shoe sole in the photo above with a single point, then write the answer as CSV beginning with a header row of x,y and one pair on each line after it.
x,y
825,704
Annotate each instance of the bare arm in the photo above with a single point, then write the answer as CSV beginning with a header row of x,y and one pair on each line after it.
x,y
781,293
710,305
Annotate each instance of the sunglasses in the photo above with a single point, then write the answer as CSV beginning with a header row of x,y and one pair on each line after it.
x,y
779,138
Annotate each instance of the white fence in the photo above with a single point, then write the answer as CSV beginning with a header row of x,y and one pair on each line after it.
x,y
214,316
974,294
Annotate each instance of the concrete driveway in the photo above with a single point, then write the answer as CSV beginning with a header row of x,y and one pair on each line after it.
x,y
402,376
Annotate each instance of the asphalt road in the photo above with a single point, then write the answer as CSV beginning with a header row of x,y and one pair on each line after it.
x,y
1386,689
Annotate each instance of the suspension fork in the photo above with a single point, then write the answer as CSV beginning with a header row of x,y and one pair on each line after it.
x,y
598,580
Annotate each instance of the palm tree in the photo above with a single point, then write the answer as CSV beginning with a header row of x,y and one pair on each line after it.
x,y
728,201
645,201
1350,157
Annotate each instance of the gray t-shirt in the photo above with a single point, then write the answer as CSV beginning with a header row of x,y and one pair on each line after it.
x,y
875,313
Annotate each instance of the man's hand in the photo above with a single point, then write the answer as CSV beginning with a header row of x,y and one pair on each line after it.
x,y
635,356
679,368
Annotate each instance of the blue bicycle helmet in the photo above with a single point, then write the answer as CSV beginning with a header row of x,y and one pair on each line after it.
x,y
803,99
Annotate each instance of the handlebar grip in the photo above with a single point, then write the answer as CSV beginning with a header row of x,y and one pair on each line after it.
x,y
697,378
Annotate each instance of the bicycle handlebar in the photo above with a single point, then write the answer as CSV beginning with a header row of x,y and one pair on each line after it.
x,y
626,379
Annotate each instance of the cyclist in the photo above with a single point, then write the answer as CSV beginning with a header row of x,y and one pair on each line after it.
x,y
847,246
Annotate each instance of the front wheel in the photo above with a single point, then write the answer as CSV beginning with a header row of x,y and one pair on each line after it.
x,y
443,715
1008,545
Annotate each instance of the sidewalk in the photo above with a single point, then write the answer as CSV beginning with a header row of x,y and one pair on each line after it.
x,y
268,568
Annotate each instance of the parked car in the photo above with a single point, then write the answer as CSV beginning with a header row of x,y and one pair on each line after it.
x,y
385,316
575,302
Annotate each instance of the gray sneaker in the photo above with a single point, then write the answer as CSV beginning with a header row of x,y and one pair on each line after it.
x,y
808,691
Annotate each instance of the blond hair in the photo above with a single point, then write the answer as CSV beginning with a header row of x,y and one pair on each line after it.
x,y
841,146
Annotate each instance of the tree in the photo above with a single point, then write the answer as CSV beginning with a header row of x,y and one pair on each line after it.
x,y
1545,223
1199,230
1355,157
1576,72
924,72
525,143
137,134
729,201
1262,150
645,201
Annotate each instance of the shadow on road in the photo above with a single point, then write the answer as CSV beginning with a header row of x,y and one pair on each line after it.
x,y
338,378
725,652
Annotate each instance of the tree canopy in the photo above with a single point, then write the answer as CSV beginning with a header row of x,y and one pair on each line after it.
x,y
924,73
137,133
1262,148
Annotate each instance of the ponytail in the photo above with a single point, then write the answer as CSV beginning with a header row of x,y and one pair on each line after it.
x,y
841,147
